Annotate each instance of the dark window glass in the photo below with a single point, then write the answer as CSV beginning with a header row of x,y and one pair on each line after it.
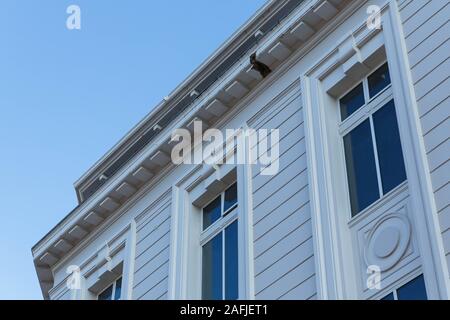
x,y
212,269
107,294
389,147
379,80
118,289
352,101
361,170
230,197
413,290
390,296
231,262
211,213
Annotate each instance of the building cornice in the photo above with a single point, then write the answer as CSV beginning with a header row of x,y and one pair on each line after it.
x,y
229,91
185,88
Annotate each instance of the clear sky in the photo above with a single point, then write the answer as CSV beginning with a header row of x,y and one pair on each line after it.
x,y
67,96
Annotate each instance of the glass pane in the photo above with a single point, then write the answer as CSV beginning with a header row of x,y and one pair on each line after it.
x,y
414,290
352,101
107,294
390,155
379,80
118,289
390,296
231,262
230,197
361,170
212,269
211,213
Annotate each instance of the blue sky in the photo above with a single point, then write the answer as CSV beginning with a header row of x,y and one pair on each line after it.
x,y
66,97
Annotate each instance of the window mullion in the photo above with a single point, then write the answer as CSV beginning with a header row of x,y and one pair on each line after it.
x,y
375,150
366,91
113,291
395,295
222,203
223,264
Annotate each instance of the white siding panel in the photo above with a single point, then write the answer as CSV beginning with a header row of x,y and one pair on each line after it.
x,y
290,281
426,27
440,176
443,200
444,217
430,21
411,8
437,136
434,98
437,38
436,116
439,155
433,61
284,254
152,253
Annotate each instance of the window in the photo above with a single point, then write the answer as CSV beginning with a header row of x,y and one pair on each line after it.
x,y
373,151
379,80
413,290
113,292
352,102
220,247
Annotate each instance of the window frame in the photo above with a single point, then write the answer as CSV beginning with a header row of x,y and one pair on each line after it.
x,y
400,284
346,126
227,218
331,73
113,291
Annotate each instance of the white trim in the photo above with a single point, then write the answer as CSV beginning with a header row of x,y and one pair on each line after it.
x,y
434,262
245,229
128,263
217,227
328,271
329,255
186,242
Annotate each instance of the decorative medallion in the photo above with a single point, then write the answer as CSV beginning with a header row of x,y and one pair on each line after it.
x,y
388,241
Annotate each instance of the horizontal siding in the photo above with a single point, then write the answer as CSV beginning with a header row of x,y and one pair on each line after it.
x,y
66,295
427,35
283,246
152,253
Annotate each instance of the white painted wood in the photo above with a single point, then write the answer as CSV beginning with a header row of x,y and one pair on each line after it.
x,y
93,218
63,245
216,107
302,31
281,227
160,158
425,32
109,204
152,251
77,232
326,10
237,90
252,73
287,248
142,174
190,125
48,258
126,189
280,51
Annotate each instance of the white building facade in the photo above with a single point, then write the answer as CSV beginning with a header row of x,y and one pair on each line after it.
x,y
357,208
